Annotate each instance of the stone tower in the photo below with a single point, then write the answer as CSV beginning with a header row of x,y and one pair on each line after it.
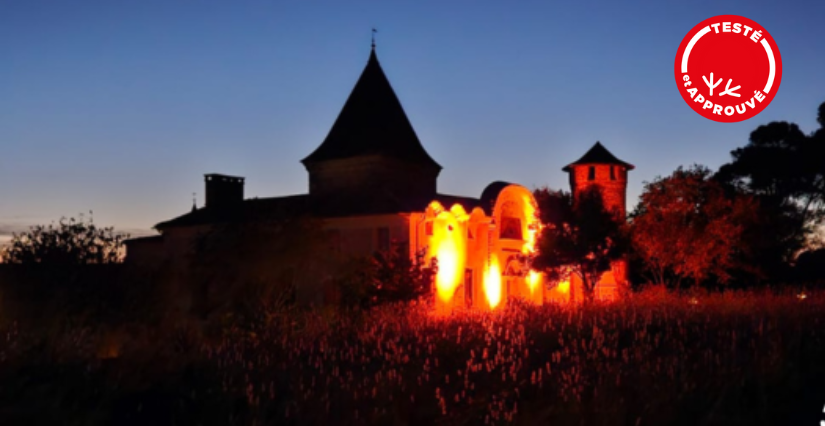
x,y
599,167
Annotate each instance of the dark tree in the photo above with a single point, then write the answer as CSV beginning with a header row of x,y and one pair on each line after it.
x,y
386,277
399,277
686,227
578,236
67,243
785,170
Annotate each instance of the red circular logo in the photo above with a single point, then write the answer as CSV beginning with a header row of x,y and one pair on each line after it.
x,y
728,68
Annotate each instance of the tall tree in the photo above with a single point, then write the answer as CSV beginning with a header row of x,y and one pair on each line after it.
x,y
785,170
687,227
579,236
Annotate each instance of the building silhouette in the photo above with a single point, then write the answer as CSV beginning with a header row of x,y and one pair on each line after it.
x,y
372,184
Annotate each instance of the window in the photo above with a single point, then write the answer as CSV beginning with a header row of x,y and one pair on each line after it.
x,y
428,228
510,228
383,238
470,235
468,287
612,172
591,173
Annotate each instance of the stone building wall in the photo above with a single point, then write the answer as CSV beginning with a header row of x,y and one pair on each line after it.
x,y
374,176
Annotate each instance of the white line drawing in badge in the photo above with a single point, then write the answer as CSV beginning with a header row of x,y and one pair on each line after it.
x,y
764,43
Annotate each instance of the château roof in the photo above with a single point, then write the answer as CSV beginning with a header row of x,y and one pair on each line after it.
x,y
263,209
372,122
598,155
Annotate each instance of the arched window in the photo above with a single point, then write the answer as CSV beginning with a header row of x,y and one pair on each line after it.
x,y
511,221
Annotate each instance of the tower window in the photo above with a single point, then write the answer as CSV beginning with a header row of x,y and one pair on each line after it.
x,y
612,172
591,173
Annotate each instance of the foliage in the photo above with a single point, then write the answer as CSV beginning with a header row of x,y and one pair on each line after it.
x,y
686,227
387,277
399,278
783,168
69,242
578,236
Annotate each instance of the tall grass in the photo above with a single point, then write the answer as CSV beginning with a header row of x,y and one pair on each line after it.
x,y
652,359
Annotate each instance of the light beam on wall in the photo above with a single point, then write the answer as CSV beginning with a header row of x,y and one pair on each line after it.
x,y
492,283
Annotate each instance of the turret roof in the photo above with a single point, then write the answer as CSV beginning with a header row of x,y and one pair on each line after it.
x,y
372,122
598,154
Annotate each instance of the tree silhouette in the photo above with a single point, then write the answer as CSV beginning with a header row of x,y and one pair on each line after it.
x,y
784,169
386,276
397,277
579,236
69,242
686,227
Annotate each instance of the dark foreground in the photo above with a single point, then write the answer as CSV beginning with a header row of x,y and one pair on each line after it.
x,y
656,360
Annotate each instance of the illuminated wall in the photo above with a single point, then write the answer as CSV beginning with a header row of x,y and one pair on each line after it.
x,y
446,231
478,258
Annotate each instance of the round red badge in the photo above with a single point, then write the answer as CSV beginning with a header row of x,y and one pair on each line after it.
x,y
728,68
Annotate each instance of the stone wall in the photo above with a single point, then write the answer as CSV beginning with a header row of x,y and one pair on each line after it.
x,y
373,176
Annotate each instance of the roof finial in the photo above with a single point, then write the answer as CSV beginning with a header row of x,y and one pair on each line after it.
x,y
194,201
373,38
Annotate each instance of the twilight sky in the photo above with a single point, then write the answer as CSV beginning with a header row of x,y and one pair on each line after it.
x,y
121,106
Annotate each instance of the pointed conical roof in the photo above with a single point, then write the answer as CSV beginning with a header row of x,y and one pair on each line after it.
x,y
598,155
372,122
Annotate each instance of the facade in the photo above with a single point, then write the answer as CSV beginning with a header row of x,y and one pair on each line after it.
x,y
372,184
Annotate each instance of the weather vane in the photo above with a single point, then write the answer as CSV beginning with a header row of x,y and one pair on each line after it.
x,y
373,37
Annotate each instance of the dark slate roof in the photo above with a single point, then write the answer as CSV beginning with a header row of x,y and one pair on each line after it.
x,y
372,122
262,209
145,240
248,211
490,195
598,155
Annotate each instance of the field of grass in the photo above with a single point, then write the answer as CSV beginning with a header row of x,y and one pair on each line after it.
x,y
655,359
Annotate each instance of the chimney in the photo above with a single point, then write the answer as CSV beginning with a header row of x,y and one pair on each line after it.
x,y
223,190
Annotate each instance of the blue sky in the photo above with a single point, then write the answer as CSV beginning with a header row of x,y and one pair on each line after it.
x,y
120,107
